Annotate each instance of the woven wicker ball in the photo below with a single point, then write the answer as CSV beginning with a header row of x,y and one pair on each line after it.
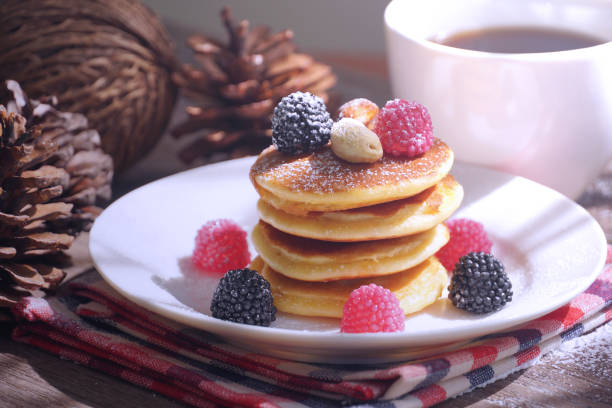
x,y
108,59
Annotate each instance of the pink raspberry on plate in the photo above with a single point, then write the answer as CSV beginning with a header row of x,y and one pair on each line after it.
x,y
465,236
404,128
221,245
370,309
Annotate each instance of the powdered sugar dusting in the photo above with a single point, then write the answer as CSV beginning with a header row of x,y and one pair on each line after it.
x,y
323,172
517,266
589,351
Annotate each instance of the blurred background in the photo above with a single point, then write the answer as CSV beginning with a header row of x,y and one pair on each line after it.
x,y
351,26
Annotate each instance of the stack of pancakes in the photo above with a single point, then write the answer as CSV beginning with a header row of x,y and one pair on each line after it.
x,y
328,226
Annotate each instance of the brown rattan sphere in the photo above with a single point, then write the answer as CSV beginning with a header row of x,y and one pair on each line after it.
x,y
108,59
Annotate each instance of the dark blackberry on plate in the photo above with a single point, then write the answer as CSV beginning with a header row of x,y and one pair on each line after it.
x,y
243,296
479,284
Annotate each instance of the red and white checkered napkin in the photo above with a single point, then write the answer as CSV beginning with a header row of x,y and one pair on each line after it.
x,y
89,323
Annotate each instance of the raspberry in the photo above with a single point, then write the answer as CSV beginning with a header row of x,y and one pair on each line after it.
x,y
370,309
300,124
244,296
404,128
479,284
465,236
221,245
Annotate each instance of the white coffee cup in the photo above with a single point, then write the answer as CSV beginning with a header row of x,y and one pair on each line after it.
x,y
546,116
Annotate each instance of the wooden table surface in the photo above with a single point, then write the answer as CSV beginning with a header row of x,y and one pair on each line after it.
x,y
580,377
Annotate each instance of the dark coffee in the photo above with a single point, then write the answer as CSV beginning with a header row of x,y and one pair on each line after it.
x,y
519,40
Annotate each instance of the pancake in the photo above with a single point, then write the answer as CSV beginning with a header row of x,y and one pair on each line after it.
x,y
257,264
313,260
388,220
321,181
415,289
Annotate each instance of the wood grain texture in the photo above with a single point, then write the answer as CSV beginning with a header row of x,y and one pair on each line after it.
x,y
31,378
544,385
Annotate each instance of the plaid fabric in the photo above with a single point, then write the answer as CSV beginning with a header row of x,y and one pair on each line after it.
x,y
89,323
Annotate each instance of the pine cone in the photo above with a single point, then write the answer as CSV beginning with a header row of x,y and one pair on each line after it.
x,y
53,176
239,83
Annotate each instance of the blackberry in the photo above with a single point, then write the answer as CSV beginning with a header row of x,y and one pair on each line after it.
x,y
479,284
300,124
243,296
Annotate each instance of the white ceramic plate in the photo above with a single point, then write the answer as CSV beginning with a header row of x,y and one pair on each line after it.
x,y
141,244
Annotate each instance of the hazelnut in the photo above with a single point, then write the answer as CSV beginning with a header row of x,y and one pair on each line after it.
x,y
352,141
362,109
